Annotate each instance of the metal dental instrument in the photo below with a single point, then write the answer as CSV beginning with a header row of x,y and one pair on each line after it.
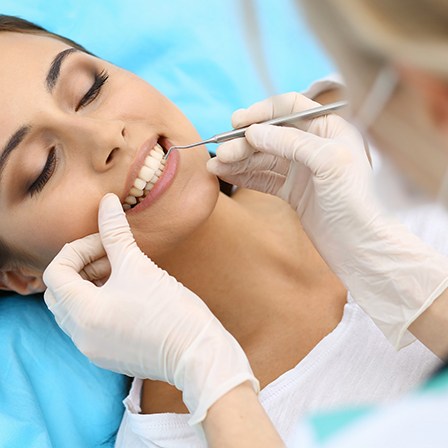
x,y
238,133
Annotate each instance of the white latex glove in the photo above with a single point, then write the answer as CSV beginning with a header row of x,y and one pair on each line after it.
x,y
322,170
142,322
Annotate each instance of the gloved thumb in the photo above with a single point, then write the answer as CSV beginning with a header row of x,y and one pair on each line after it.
x,y
115,232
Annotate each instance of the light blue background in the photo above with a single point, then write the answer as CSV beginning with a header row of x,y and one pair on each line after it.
x,y
196,52
200,55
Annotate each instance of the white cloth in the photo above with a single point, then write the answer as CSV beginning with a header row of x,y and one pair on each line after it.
x,y
352,365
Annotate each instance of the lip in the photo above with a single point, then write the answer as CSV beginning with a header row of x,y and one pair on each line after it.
x,y
164,182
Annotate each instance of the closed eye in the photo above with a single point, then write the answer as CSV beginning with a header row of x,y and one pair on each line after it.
x,y
45,175
50,165
94,90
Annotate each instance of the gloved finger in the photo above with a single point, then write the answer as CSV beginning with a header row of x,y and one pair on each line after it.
x,y
262,178
69,262
234,150
97,270
257,162
289,143
115,232
275,106
265,176
321,155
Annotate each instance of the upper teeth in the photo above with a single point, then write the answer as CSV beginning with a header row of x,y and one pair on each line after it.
x,y
149,174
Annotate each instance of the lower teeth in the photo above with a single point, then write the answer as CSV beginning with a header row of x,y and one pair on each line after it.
x,y
148,187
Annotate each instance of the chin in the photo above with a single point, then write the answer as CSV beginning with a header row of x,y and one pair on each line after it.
x,y
175,218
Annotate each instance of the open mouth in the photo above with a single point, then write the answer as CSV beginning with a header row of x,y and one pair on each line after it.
x,y
149,174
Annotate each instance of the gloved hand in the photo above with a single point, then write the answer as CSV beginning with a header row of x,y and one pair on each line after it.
x,y
142,322
322,170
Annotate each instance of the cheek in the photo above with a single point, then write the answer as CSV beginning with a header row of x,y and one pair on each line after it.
x,y
53,226
133,98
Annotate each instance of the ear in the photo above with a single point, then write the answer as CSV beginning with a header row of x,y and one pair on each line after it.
x,y
433,90
23,280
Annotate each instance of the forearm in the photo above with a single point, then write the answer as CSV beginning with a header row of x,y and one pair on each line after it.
x,y
431,326
239,420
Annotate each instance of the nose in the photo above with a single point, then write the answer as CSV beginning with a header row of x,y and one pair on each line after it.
x,y
100,140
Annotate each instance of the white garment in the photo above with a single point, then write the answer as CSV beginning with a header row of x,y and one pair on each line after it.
x,y
352,365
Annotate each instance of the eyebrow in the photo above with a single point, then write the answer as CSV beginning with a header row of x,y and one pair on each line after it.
x,y
12,144
55,68
50,82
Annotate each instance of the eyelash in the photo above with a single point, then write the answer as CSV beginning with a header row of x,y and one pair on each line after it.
x,y
45,175
94,91
50,165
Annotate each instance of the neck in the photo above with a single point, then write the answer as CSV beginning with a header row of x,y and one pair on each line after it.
x,y
247,264
254,267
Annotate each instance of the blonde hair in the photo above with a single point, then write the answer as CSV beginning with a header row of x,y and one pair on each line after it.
x,y
364,36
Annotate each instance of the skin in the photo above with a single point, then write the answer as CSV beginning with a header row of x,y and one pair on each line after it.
x,y
126,113
247,256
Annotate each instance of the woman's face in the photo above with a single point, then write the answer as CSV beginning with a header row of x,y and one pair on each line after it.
x,y
67,138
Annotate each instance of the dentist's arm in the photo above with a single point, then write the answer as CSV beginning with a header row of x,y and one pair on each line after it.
x,y
321,169
142,322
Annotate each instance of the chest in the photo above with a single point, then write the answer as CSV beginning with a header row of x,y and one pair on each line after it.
x,y
276,349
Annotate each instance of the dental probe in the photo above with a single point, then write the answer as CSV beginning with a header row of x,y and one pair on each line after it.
x,y
240,132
